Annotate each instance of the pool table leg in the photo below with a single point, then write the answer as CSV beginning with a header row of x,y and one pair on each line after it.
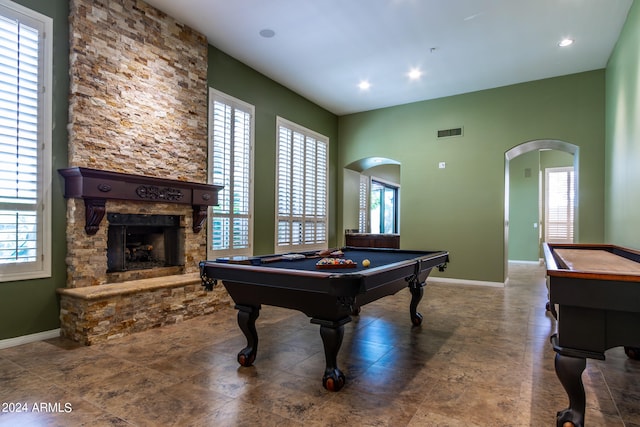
x,y
247,316
569,371
332,333
417,291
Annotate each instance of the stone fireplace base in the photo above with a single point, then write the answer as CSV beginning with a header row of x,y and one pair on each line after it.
x,y
94,314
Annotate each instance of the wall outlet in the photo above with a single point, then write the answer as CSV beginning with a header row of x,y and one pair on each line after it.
x,y
442,165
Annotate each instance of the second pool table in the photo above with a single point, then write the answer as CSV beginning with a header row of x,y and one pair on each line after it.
x,y
596,289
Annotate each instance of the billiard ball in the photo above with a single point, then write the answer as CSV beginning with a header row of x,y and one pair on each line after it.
x,y
365,263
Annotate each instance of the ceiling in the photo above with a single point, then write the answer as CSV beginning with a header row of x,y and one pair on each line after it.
x,y
322,49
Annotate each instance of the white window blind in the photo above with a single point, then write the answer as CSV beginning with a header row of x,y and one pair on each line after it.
x,y
363,204
230,153
302,185
559,205
25,123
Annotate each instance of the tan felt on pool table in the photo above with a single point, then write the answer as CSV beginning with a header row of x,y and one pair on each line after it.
x,y
597,261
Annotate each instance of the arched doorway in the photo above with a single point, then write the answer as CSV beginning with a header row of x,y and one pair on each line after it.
x,y
526,147
357,179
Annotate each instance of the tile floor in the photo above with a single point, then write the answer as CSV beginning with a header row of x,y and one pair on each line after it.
x,y
481,358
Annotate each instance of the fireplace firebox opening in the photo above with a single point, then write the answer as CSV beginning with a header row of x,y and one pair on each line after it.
x,y
138,242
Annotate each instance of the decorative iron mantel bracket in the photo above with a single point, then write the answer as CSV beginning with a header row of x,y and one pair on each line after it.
x,y
96,186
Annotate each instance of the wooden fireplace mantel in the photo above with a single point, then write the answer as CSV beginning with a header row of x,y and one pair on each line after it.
x,y
96,186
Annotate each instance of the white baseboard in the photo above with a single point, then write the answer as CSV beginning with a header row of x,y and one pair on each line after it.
x,y
466,282
25,339
517,261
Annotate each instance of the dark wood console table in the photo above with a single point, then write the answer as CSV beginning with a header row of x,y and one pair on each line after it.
x,y
371,240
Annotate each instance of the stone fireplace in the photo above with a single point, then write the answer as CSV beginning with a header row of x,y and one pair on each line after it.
x,y
139,226
137,151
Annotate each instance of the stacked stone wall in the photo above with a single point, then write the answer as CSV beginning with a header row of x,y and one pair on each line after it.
x,y
138,101
137,105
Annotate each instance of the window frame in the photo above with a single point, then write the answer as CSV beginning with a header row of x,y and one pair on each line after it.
x,y
236,104
41,267
303,218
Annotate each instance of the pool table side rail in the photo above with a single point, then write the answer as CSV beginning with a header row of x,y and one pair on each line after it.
x,y
336,282
424,258
556,267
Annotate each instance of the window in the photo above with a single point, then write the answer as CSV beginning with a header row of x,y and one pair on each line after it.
x,y
25,143
384,207
559,205
231,165
301,188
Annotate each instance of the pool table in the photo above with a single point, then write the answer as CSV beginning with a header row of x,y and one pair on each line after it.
x,y
328,295
596,289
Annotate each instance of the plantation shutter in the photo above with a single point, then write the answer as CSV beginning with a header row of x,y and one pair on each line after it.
x,y
302,186
22,138
559,205
231,167
363,204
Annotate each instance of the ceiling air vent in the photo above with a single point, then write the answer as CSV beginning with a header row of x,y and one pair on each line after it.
x,y
444,133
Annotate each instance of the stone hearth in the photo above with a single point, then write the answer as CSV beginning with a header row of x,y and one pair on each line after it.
x,y
97,313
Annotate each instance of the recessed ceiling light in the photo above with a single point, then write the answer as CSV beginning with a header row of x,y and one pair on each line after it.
x,y
364,85
565,42
414,73
267,33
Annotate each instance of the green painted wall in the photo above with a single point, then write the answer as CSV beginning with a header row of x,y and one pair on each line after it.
x,y
527,202
270,100
31,306
461,208
523,207
622,205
